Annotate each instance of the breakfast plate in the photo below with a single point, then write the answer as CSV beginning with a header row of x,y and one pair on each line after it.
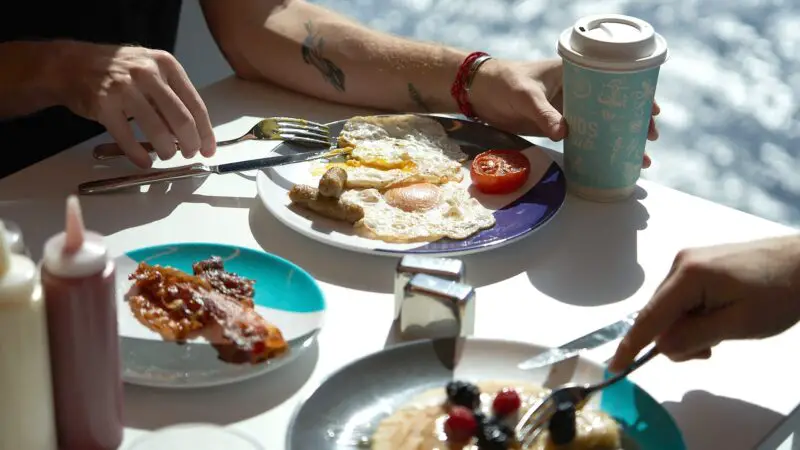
x,y
516,214
352,404
283,294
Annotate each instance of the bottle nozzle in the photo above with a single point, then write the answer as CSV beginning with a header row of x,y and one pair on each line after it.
x,y
75,231
5,251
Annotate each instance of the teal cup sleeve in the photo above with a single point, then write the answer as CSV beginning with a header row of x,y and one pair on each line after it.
x,y
608,115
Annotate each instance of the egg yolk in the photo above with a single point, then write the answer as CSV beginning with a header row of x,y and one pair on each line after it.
x,y
414,197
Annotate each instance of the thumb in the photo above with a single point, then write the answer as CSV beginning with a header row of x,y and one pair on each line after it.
x,y
696,333
547,117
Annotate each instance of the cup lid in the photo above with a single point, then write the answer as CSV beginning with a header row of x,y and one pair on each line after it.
x,y
613,42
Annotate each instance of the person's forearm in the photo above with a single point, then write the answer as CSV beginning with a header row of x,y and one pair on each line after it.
x,y
312,50
26,80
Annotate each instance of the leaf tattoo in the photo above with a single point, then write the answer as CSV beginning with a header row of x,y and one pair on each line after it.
x,y
312,54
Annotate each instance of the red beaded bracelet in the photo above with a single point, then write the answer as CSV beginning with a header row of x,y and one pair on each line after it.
x,y
461,85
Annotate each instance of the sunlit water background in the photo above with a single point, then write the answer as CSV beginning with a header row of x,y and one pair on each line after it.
x,y
729,94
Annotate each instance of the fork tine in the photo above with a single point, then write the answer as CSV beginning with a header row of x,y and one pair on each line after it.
x,y
306,140
532,422
304,131
301,122
303,135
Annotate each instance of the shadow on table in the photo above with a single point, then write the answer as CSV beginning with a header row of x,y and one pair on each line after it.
x,y
325,263
39,211
153,408
589,264
703,417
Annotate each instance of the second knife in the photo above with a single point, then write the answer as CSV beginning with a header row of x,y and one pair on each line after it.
x,y
196,170
587,342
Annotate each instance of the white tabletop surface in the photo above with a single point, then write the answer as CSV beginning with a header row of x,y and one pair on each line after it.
x,y
588,267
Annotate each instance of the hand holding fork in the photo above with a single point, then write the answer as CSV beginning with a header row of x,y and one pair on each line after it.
x,y
570,395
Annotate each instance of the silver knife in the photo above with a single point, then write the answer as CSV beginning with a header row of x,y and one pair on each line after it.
x,y
592,340
196,170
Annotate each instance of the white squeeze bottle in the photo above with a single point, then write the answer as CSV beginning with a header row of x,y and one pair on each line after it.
x,y
26,397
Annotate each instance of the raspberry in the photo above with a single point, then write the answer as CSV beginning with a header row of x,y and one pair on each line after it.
x,y
460,425
506,402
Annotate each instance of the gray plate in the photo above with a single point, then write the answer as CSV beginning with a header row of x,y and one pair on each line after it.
x,y
349,404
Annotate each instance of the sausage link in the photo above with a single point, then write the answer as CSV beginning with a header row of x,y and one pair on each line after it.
x,y
333,182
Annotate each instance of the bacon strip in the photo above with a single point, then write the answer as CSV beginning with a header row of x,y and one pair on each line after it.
x,y
178,305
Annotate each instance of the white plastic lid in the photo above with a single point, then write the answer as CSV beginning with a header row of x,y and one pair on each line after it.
x,y
17,273
195,437
75,252
613,42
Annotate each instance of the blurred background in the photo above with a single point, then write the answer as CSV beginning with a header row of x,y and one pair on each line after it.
x,y
730,94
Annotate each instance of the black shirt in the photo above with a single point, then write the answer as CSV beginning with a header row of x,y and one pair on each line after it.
x,y
149,23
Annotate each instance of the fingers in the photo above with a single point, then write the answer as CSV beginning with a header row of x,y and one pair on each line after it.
x,y
151,123
702,354
693,334
547,117
669,303
116,122
646,161
652,130
173,111
183,88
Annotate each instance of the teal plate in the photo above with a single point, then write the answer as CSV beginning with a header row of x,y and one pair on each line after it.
x,y
349,404
285,295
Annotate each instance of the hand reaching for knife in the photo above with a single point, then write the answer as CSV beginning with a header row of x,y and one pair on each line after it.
x,y
735,291
111,84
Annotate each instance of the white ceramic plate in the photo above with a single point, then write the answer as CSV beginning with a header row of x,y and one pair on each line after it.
x,y
517,215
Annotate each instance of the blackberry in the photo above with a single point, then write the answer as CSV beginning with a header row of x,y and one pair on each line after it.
x,y
493,436
562,424
464,394
494,421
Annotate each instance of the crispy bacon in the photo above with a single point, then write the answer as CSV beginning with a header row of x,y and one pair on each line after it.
x,y
213,270
178,306
244,327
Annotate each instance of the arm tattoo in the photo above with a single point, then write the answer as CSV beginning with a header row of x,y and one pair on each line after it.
x,y
417,98
312,54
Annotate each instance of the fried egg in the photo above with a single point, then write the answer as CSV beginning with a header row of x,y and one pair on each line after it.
x,y
421,212
389,151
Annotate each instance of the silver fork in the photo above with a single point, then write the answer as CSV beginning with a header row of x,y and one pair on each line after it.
x,y
532,423
296,131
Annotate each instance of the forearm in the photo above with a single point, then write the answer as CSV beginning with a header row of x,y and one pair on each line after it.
x,y
312,50
26,81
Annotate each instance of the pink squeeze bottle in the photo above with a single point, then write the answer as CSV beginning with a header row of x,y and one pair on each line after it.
x,y
80,294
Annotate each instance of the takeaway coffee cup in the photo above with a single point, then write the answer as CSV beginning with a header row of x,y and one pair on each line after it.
x,y
611,65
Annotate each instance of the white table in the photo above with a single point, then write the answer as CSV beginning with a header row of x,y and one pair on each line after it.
x,y
593,263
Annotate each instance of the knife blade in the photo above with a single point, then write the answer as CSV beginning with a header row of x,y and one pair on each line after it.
x,y
197,170
589,341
